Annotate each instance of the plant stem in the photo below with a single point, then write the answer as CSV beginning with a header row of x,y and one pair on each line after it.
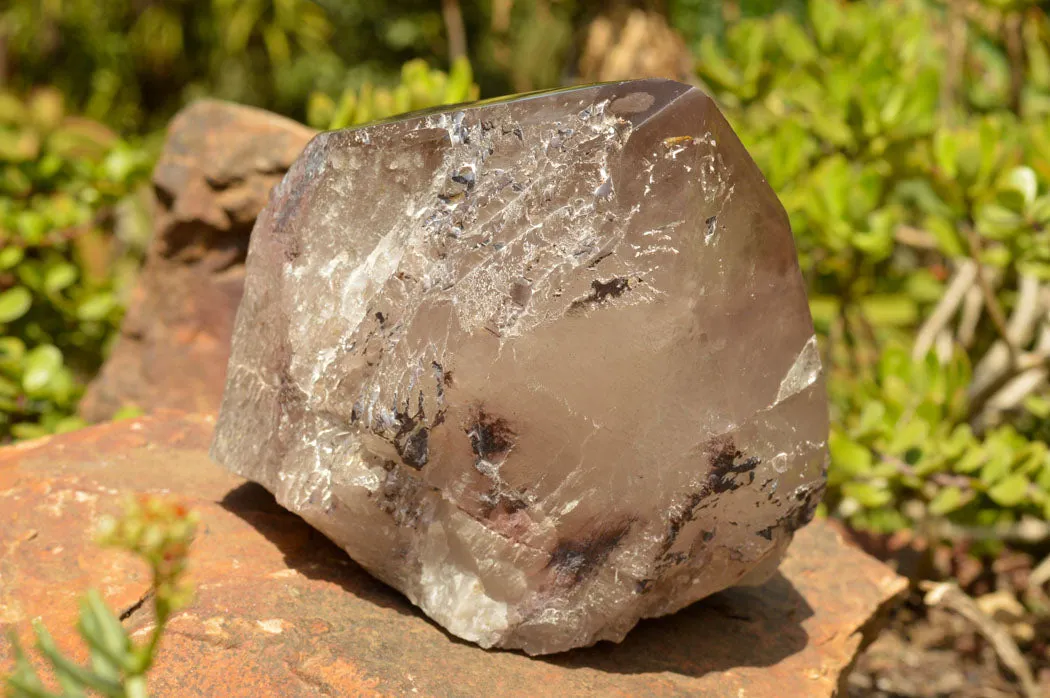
x,y
995,311
961,282
1015,53
457,35
950,596
955,61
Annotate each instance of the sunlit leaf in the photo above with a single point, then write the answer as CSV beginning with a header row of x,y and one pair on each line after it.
x,y
946,501
14,303
42,364
1009,491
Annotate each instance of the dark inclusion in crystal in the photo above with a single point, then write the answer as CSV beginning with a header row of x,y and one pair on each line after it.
x,y
544,364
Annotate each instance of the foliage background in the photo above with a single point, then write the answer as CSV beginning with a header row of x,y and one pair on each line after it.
x,y
909,141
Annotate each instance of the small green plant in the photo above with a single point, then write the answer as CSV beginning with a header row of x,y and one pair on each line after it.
x,y
160,532
420,87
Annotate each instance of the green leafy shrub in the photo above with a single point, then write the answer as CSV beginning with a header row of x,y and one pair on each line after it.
x,y
72,227
133,64
158,531
904,455
908,141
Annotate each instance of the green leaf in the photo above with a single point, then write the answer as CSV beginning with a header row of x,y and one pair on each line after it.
x,y
42,365
344,112
8,388
869,494
96,306
320,110
848,456
1000,459
920,194
959,443
121,162
32,226
67,424
824,310
1010,491
66,667
135,687
913,434
1040,210
12,349
1023,182
10,256
792,40
825,16
105,635
999,222
127,412
59,277
892,310
946,152
460,82
24,680
1038,405
1036,55
895,362
28,430
947,236
1042,479
14,303
946,501
713,65
872,419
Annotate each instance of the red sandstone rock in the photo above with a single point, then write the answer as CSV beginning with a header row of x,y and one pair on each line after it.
x,y
280,611
215,174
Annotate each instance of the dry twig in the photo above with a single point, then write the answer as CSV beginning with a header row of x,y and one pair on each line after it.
x,y
961,282
1041,574
948,595
1015,53
995,311
973,306
1025,532
915,237
1002,379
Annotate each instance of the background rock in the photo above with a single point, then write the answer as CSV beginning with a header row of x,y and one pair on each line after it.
x,y
637,45
219,163
280,611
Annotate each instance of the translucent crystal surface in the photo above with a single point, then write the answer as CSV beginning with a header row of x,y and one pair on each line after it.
x,y
544,364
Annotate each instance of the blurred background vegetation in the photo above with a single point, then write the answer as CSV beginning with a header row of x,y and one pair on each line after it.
x,y
909,141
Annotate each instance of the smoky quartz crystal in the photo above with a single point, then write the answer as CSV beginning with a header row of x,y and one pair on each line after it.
x,y
544,364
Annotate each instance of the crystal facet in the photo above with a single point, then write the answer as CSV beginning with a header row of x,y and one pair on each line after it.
x,y
543,364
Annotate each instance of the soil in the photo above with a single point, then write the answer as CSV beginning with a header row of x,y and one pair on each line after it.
x,y
933,652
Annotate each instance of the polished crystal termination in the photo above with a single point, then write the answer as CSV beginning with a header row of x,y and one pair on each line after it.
x,y
545,365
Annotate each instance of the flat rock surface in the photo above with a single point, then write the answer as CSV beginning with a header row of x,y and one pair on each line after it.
x,y
280,611
219,162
